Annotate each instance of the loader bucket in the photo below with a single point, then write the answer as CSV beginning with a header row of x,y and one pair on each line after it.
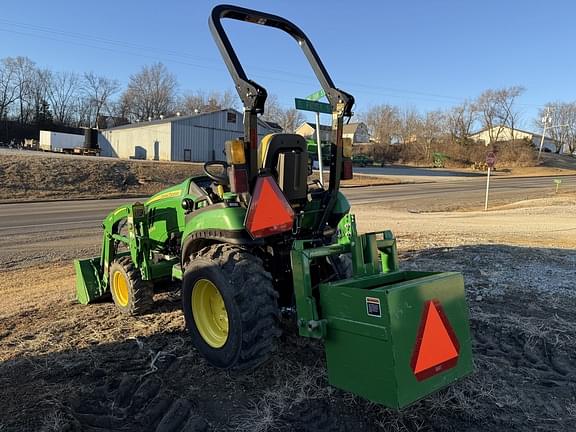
x,y
396,338
88,284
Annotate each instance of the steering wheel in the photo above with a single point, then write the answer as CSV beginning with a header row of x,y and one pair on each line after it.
x,y
220,179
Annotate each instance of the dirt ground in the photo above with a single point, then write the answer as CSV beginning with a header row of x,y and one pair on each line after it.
x,y
64,366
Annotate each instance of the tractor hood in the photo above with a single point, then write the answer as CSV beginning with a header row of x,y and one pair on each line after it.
x,y
172,193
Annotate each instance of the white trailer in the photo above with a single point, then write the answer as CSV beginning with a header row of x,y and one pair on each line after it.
x,y
61,142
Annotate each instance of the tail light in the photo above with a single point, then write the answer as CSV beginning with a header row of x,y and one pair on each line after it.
x,y
269,212
236,158
238,179
347,170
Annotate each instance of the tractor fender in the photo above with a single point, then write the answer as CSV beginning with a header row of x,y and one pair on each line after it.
x,y
341,208
215,224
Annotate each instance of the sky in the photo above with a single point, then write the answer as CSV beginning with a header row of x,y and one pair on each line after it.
x,y
421,54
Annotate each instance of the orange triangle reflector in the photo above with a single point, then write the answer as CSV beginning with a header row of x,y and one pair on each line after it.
x,y
436,347
269,212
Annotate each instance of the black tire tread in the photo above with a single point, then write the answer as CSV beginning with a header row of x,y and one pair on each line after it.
x,y
344,265
142,298
255,297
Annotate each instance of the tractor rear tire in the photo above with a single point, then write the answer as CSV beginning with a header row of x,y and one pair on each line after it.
x,y
131,294
342,265
230,307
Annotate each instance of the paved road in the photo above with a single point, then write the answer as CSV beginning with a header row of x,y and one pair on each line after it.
x,y
470,192
64,215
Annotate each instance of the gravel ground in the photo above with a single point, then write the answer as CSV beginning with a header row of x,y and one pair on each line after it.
x,y
547,221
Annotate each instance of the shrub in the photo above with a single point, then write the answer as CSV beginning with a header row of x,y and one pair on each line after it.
x,y
517,153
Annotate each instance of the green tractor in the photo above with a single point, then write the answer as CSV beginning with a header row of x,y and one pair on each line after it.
x,y
253,239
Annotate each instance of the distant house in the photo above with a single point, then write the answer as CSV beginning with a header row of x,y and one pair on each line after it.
x,y
308,131
505,133
358,132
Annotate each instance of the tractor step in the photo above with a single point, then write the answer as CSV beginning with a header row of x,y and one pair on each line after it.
x,y
395,338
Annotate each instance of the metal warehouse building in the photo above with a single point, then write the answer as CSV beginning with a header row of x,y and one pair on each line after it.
x,y
197,138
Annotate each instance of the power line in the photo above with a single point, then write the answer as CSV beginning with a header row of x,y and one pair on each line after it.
x,y
128,48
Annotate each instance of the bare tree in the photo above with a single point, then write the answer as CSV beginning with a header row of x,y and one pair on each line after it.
x,y
8,88
410,126
82,111
498,111
420,132
98,90
201,102
383,122
273,110
38,94
288,118
434,125
563,122
506,99
460,120
150,93
63,88
24,71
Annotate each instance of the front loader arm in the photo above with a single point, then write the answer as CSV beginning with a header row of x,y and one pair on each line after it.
x,y
93,275
137,240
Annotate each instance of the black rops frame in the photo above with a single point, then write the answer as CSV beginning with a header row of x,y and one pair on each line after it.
x,y
253,95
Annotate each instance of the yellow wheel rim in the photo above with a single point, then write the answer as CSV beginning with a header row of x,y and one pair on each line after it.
x,y
120,288
209,313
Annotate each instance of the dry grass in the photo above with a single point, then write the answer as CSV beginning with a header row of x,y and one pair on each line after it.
x,y
295,384
23,290
33,176
54,422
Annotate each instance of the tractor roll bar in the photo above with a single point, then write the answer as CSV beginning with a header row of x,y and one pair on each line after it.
x,y
253,95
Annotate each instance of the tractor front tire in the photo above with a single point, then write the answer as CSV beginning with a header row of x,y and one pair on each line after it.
x,y
131,294
230,307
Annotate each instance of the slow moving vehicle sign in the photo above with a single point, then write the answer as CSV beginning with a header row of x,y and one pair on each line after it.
x,y
436,347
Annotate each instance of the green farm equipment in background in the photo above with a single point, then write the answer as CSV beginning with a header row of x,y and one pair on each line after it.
x,y
439,159
362,160
253,239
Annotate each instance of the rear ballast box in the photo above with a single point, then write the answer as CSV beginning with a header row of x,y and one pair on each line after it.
x,y
395,338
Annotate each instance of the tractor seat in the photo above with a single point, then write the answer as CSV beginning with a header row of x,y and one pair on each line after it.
x,y
286,156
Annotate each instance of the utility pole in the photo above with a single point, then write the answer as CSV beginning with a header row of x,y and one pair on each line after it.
x,y
545,121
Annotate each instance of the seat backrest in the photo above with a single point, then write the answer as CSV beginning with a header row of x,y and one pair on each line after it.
x,y
286,155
